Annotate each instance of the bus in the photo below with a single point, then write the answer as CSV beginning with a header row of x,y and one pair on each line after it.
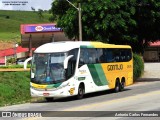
x,y
75,68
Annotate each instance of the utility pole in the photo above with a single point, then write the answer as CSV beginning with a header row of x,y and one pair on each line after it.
x,y
80,21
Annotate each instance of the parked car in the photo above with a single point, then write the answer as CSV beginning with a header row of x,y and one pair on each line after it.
x,y
20,61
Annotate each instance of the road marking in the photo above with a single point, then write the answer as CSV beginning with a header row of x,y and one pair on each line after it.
x,y
89,106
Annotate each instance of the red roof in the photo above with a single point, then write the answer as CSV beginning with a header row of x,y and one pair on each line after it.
x,y
154,43
12,51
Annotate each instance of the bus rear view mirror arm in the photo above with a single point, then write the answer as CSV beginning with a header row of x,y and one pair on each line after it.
x,y
66,61
26,61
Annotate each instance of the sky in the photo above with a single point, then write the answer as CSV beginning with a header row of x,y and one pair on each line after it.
x,y
25,5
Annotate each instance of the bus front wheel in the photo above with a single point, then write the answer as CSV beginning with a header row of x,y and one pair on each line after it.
x,y
80,92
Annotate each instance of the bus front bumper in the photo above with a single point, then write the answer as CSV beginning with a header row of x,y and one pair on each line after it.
x,y
64,92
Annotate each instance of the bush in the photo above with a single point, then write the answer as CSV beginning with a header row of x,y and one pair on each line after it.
x,y
138,66
11,60
7,17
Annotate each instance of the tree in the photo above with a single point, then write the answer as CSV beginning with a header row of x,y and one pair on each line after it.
x,y
147,17
40,11
112,21
33,9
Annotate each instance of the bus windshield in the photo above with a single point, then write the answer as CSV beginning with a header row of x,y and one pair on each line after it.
x,y
47,68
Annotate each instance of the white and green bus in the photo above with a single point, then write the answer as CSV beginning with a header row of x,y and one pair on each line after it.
x,y
62,69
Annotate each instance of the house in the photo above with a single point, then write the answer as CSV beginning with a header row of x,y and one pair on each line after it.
x,y
2,61
17,52
152,52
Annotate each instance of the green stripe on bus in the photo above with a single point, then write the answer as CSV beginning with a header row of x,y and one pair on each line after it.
x,y
97,74
53,85
101,74
86,46
94,75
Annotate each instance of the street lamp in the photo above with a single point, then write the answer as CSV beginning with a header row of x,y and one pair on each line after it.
x,y
79,18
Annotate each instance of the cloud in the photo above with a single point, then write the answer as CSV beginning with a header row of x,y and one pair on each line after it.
x,y
25,4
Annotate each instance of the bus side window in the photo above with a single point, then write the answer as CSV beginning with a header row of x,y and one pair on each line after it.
x,y
123,56
109,55
72,62
103,57
129,55
99,55
83,57
92,55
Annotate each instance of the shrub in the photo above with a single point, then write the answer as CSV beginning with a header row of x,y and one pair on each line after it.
x,y
138,66
7,17
11,60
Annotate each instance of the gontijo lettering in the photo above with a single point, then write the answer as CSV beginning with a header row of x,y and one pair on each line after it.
x,y
115,67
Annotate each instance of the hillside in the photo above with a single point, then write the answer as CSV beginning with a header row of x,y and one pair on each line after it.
x,y
6,45
10,22
13,91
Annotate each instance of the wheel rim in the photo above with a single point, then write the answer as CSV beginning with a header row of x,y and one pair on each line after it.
x,y
80,92
122,85
117,87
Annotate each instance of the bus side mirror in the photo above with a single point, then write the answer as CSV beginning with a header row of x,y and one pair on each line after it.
x,y
66,61
26,61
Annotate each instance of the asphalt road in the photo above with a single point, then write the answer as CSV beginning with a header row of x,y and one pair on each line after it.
x,y
142,96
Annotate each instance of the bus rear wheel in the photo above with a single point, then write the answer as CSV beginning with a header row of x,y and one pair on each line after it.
x,y
117,87
122,85
49,99
80,92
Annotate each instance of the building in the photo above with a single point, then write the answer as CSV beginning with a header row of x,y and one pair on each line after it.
x,y
152,52
16,52
2,61
32,36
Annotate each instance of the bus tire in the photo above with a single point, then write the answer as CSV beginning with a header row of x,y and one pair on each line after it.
x,y
80,91
122,85
117,86
49,99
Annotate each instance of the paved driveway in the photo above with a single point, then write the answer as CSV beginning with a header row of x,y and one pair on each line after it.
x,y
151,70
151,73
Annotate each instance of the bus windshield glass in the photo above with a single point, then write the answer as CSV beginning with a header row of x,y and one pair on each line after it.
x,y
47,68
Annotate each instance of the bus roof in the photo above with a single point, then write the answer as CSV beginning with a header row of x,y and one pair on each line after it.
x,y
68,45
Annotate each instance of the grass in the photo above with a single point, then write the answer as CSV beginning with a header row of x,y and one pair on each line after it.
x,y
14,87
11,21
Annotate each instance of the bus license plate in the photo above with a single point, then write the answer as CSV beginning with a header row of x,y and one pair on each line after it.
x,y
45,94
